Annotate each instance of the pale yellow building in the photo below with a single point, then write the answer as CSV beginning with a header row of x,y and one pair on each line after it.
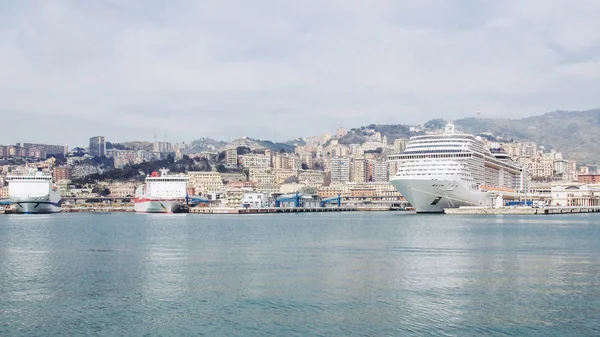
x,y
281,175
206,182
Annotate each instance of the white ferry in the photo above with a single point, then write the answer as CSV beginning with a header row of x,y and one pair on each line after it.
x,y
454,169
34,192
162,193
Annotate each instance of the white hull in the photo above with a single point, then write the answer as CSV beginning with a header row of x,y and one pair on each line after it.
x,y
50,203
160,206
34,207
433,195
162,194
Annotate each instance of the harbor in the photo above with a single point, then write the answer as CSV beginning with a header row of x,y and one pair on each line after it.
x,y
100,207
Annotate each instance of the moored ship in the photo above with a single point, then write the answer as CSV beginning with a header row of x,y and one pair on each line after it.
x,y
454,169
34,192
162,193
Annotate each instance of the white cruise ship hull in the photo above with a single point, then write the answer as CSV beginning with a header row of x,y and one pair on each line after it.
x,y
35,207
433,195
159,206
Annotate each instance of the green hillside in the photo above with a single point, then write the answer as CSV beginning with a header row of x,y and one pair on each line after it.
x,y
574,133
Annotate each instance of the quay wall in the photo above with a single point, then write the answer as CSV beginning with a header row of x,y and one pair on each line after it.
x,y
520,210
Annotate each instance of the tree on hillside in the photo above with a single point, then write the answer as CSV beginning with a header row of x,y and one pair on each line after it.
x,y
117,146
435,124
221,168
242,150
59,157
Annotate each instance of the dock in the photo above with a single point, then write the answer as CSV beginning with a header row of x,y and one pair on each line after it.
x,y
103,209
217,210
474,210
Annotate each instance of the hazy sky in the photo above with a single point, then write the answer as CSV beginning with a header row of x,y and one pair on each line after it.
x,y
281,69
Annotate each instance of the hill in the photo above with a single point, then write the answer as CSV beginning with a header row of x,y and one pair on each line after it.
x,y
134,145
205,144
208,144
574,133
256,144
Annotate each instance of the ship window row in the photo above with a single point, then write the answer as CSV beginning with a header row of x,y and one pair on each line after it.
x,y
446,137
169,180
455,155
455,147
30,178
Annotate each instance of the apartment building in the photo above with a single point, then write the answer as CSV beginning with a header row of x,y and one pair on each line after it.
x,y
340,170
205,182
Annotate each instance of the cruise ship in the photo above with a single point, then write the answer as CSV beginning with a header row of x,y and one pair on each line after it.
x,y
454,169
34,192
162,193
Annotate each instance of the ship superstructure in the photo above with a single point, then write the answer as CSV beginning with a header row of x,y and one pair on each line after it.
x,y
453,169
34,192
162,193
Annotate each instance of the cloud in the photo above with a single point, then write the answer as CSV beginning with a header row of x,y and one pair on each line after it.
x,y
225,69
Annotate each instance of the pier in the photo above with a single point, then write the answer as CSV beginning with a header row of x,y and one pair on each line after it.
x,y
210,210
467,210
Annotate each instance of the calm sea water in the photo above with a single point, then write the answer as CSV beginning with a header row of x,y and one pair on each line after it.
x,y
360,274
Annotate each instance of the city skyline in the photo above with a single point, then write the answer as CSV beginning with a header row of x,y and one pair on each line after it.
x,y
193,70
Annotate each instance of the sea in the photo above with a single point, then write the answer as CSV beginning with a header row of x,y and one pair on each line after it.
x,y
299,274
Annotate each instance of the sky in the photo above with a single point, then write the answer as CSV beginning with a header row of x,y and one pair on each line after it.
x,y
129,70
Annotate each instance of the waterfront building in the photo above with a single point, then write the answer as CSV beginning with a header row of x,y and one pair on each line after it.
x,y
575,195
233,196
333,190
254,199
362,190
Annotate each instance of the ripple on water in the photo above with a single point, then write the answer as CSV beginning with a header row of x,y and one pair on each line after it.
x,y
299,274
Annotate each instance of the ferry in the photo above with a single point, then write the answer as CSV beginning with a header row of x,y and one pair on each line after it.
x,y
162,193
34,192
